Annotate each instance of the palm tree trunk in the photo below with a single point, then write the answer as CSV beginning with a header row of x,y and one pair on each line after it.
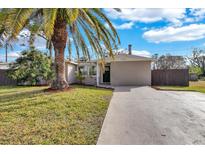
x,y
59,40
50,50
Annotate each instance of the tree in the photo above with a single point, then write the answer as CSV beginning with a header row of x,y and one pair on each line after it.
x,y
31,67
198,59
4,43
7,45
155,59
84,26
169,62
195,69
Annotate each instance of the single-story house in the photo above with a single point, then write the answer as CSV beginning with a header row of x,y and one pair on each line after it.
x,y
4,79
123,70
4,66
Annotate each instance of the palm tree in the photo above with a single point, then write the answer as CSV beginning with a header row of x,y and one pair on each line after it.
x,y
84,26
3,42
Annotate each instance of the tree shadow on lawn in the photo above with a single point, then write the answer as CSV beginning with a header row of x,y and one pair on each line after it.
x,y
4,99
13,101
82,86
10,102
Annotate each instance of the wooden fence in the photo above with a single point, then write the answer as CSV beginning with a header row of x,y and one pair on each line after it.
x,y
171,77
4,80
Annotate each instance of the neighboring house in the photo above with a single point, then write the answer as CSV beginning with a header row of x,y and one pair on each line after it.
x,y
4,79
4,66
123,70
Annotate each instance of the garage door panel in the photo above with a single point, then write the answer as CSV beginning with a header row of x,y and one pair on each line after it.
x,y
131,73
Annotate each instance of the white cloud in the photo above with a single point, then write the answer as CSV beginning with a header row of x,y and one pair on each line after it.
x,y
195,15
148,15
199,14
128,25
171,34
11,54
189,19
23,38
142,53
24,33
40,43
14,54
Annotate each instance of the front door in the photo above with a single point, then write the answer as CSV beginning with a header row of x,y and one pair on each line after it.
x,y
106,74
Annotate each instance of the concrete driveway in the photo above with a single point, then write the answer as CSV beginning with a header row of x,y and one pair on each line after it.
x,y
142,115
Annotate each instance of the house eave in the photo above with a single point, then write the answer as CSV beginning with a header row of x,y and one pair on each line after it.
x,y
71,62
126,57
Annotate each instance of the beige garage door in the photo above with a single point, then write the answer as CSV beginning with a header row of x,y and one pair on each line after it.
x,y
133,73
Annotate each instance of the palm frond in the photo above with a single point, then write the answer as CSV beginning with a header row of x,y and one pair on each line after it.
x,y
71,15
104,34
82,43
49,16
69,45
72,32
17,19
92,39
103,16
94,26
86,27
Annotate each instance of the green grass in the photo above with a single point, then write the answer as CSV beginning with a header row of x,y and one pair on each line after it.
x,y
198,86
28,115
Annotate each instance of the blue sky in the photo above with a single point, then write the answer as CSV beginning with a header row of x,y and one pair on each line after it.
x,y
150,31
174,31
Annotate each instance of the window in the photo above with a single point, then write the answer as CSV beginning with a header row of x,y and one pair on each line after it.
x,y
87,70
82,70
92,70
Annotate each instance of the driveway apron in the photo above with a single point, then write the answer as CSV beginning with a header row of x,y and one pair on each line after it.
x,y
142,115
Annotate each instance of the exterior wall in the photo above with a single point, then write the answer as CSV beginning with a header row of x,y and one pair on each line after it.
x,y
90,80
4,66
70,73
122,73
133,73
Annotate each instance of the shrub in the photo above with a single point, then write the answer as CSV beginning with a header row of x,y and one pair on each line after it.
x,y
31,68
80,77
202,78
195,70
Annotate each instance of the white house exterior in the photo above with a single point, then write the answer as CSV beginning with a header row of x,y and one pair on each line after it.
x,y
123,70
4,66
70,71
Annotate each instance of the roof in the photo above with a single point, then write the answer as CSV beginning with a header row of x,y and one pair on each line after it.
x,y
71,62
4,66
127,57
117,57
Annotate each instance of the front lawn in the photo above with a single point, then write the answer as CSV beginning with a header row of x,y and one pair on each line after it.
x,y
198,86
28,115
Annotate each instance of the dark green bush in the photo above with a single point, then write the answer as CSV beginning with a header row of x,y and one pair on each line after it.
x,y
31,68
